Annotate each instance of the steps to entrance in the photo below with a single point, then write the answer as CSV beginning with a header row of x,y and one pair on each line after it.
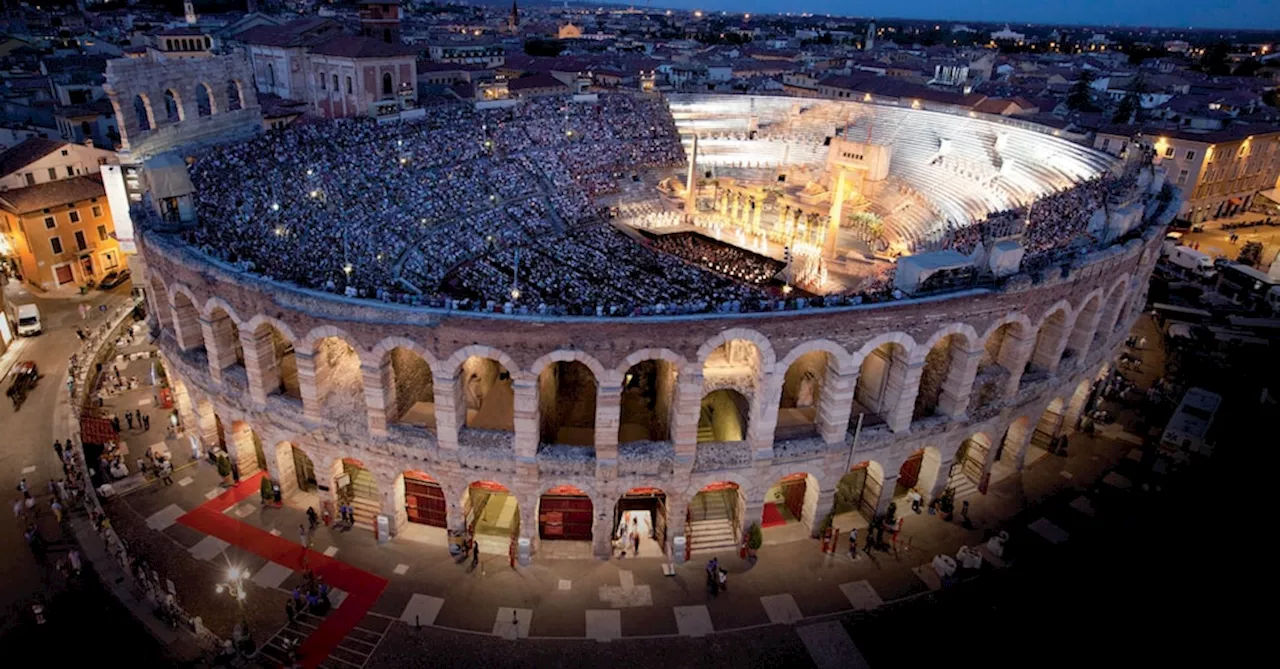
x,y
710,527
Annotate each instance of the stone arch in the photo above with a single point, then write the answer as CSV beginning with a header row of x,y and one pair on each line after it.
x,y
217,303
454,363
246,448
805,381
1051,336
483,388
763,347
421,499
173,111
407,381
881,391
491,514
322,332
920,471
946,375
716,514
725,416
159,301
567,355
235,95
388,86
222,336
275,356
1009,454
363,491
566,512
186,320
143,113
1114,301
338,377
206,103
844,361
857,496
648,395
1085,325
792,498
567,392
1046,430
968,463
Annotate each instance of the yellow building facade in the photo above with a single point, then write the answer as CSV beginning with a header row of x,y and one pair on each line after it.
x,y
60,234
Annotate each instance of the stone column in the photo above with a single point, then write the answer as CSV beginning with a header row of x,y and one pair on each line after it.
x,y
685,409
826,502
1082,337
260,364
608,417
944,475
311,408
451,412
764,416
1013,356
186,326
182,400
835,404
526,419
242,451
886,491
602,532
900,392
219,344
677,514
379,395
1047,357
752,513
958,384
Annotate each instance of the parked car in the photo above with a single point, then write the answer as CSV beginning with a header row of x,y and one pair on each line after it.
x,y
24,377
114,279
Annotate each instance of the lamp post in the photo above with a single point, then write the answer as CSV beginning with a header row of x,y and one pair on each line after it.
x,y
234,586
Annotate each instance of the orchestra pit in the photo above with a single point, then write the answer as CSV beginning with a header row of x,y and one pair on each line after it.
x,y
534,321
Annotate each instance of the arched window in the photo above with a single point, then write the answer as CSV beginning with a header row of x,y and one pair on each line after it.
x,y
387,88
348,85
271,75
143,111
172,109
204,100
335,84
322,84
234,101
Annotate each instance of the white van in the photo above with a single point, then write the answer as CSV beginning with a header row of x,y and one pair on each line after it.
x,y
1193,261
28,320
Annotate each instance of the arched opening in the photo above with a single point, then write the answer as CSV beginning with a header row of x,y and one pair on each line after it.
x,y
226,339
790,508
857,496
1045,356
271,75
172,106
280,364
487,394
1046,432
1122,319
567,404
204,100
355,485
220,434
297,475
207,422
235,101
802,387
940,363
642,513
186,321
918,472
413,386
1007,459
493,516
1082,335
424,501
880,381
715,518
159,303
1081,401
339,382
648,390
723,416
966,468
142,111
999,361
565,517
387,87
247,450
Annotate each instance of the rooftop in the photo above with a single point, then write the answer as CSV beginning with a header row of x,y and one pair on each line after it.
x,y
52,194
27,152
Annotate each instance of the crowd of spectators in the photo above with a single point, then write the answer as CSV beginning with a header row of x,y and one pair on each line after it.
x,y
720,257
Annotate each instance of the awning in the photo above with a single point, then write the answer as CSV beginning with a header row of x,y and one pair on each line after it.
x,y
168,176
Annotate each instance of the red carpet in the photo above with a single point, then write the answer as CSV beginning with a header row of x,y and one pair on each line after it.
x,y
363,588
772,516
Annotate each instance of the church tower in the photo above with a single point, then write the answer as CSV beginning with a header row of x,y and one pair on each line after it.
x,y
380,19
869,42
189,8
513,21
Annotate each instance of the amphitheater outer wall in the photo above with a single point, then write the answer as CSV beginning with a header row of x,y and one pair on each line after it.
x,y
1064,332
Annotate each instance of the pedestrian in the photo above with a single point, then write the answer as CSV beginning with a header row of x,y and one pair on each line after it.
x,y
18,508
870,541
22,485
74,558
57,510
84,311
80,334
146,422
311,517
166,473
303,537
853,543
723,579
635,542
896,531
115,422
129,417
289,611
916,500
475,554
57,446
137,416
964,515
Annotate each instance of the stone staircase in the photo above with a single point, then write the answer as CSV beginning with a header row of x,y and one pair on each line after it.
x,y
364,498
710,526
705,433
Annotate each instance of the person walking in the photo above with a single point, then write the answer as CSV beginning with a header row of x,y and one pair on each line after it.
x,y
289,611
964,516
129,418
312,518
57,446
146,422
303,537
635,543
57,510
475,554
166,473
137,416
853,543
74,558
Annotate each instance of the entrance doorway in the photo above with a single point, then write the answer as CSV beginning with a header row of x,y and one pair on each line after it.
x,y
424,501
63,274
790,509
564,514
1047,429
356,486
715,518
642,510
966,470
857,496
305,470
493,516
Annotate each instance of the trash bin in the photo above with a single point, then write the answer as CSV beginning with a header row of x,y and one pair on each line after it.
x,y
677,549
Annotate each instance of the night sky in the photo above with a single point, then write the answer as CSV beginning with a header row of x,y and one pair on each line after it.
x,y
1256,14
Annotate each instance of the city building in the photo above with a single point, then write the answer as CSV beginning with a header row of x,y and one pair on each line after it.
x,y
37,161
61,232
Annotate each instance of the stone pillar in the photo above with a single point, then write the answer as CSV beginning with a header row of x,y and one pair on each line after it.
x,y
379,395
526,419
186,326
835,404
182,400
958,384
764,416
1025,445
608,418
886,492
755,221
242,451
1047,356
826,502
752,513
677,514
208,429
453,515
944,476
685,409
311,408
260,364
1014,355
900,392
219,344
451,412
1082,337
602,532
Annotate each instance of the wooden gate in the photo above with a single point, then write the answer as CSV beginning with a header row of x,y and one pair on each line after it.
x,y
424,500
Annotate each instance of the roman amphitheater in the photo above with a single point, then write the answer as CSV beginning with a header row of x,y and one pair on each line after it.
x,y
489,349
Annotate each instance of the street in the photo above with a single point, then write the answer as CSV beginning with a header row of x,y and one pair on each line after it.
x,y
76,606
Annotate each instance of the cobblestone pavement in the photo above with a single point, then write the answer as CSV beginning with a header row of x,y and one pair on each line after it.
x,y
561,602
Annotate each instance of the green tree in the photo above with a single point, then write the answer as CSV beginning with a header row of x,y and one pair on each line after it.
x,y
1080,97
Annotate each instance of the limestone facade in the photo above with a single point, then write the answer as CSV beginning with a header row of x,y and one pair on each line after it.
x,y
1007,355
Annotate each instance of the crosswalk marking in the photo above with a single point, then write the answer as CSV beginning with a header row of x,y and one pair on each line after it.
x,y
693,620
781,609
830,647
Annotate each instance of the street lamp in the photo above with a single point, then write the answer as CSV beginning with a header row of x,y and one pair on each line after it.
x,y
234,586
